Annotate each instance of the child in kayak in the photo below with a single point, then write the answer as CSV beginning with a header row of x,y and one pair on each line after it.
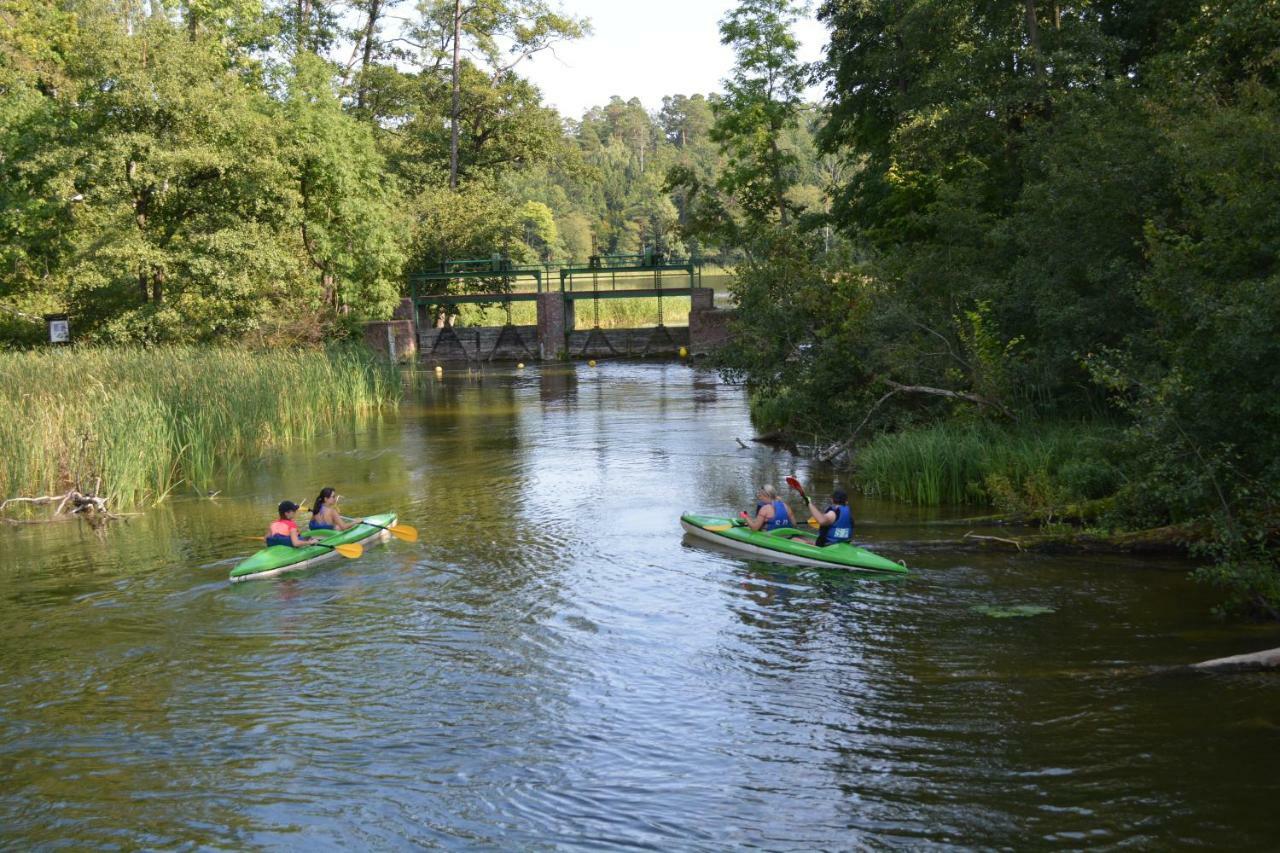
x,y
771,511
284,530
324,512
835,523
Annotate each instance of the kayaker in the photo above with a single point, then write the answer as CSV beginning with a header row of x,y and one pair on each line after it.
x,y
284,530
324,512
771,511
835,523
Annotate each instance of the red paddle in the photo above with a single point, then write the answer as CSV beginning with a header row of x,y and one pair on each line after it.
x,y
795,484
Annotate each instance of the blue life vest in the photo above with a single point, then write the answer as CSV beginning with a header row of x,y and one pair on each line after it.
x,y
781,518
315,525
841,530
279,539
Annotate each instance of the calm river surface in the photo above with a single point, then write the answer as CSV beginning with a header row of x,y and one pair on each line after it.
x,y
553,666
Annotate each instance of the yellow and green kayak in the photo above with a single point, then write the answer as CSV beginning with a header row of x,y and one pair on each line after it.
x,y
276,559
785,545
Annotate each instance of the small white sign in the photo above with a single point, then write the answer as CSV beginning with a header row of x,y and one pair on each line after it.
x,y
59,332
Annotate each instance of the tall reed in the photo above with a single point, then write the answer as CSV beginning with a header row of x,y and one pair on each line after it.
x,y
145,420
951,463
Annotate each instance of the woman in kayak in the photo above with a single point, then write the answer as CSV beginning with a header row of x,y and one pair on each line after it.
x,y
835,523
771,511
324,512
284,530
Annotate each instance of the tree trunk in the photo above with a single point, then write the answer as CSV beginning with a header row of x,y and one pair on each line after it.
x,y
375,6
304,24
1033,37
779,197
455,109
330,291
157,285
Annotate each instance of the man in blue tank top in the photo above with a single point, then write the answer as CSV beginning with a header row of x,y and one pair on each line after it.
x,y
835,523
771,511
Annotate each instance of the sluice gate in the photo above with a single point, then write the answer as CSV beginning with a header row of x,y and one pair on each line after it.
x,y
436,296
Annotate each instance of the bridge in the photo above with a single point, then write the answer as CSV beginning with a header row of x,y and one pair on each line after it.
x,y
424,325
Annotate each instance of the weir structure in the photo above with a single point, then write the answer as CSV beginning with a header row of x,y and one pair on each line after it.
x,y
434,296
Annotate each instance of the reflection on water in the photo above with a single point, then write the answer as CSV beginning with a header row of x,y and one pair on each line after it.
x,y
552,665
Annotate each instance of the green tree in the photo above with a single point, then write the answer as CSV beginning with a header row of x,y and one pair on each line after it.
x,y
762,101
347,212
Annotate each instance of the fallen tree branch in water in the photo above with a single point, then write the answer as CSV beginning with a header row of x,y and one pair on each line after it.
x,y
1252,662
1014,542
80,504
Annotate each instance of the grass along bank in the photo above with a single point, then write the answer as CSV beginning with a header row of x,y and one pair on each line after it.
x,y
147,420
1046,470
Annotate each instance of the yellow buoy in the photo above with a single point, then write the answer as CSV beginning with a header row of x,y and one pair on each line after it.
x,y
520,365
439,369
684,353
591,363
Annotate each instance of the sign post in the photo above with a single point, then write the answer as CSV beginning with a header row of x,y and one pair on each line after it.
x,y
59,328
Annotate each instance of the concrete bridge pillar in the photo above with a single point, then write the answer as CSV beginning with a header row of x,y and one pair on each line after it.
x,y
394,339
555,321
708,325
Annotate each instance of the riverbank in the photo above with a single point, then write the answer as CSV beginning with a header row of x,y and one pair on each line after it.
x,y
1075,486
146,421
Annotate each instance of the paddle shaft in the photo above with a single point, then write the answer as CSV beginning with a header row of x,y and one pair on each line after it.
x,y
400,531
350,550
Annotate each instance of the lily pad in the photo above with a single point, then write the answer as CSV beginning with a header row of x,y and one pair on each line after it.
x,y
1011,611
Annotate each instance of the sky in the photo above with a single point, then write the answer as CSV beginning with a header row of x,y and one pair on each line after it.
x,y
645,49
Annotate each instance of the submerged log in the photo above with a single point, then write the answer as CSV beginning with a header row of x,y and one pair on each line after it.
x,y
1252,662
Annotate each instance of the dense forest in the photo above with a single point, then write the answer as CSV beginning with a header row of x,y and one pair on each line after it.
x,y
1055,284
1023,252
198,171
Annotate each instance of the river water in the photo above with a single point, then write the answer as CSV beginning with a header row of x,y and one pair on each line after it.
x,y
553,666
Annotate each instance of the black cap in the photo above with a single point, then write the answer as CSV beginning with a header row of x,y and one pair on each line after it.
x,y
287,506
839,496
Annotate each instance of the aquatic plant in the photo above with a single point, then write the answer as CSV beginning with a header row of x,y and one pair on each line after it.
x,y
147,420
1038,468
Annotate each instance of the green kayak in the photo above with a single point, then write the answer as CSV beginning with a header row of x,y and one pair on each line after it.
x,y
786,545
282,558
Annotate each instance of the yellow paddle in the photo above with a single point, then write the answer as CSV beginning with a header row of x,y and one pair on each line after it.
x,y
400,531
350,551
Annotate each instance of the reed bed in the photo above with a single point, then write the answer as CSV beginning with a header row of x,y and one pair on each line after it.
x,y
145,421
1030,466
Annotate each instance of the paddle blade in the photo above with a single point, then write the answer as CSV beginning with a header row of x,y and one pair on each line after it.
x,y
795,484
813,523
404,532
349,551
